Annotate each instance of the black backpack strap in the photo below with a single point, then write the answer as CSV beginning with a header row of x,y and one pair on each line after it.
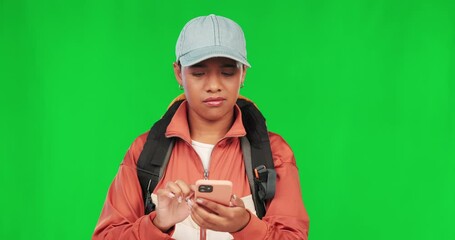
x,y
155,156
257,155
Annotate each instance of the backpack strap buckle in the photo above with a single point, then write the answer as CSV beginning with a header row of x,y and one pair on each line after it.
x,y
149,205
260,173
266,180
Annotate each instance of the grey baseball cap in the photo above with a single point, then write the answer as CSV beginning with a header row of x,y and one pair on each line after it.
x,y
210,36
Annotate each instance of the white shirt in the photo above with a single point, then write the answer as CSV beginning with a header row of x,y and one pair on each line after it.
x,y
204,151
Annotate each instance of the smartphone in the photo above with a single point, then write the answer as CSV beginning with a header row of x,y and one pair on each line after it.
x,y
219,191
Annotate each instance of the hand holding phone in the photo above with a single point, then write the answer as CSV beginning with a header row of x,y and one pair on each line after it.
x,y
219,191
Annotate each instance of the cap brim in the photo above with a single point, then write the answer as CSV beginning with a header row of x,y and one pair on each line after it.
x,y
202,54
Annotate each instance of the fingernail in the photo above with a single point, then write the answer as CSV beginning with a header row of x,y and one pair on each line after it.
x,y
199,200
171,195
190,203
179,199
234,197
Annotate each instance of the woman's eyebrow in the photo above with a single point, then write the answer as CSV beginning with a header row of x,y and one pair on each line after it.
x,y
228,65
198,65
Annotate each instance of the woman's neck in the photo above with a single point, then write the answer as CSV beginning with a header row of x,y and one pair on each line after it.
x,y
210,132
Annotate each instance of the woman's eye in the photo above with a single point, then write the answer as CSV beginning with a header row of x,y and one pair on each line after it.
x,y
198,74
228,73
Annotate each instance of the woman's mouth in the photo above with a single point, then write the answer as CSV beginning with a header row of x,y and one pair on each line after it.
x,y
214,101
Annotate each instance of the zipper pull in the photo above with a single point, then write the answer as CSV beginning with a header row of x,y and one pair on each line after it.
x,y
206,174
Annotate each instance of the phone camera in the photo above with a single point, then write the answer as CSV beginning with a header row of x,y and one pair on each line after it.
x,y
205,188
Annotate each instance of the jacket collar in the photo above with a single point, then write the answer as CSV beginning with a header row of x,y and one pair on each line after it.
x,y
178,127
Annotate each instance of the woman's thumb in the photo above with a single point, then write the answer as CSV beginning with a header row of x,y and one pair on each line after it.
x,y
236,201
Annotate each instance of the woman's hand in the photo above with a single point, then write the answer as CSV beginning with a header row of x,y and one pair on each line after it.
x,y
217,217
172,207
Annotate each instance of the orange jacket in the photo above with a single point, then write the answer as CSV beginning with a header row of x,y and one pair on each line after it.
x,y
123,216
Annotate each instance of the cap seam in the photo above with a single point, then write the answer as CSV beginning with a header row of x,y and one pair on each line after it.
x,y
214,30
219,35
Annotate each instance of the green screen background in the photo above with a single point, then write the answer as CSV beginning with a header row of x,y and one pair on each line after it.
x,y
363,91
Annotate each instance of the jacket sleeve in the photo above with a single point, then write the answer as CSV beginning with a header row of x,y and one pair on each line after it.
x,y
286,217
122,215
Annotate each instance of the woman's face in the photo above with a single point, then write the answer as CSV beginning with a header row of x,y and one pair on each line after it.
x,y
211,87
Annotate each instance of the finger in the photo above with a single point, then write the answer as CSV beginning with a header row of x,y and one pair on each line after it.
x,y
176,190
204,218
211,206
237,202
193,189
186,190
165,193
200,222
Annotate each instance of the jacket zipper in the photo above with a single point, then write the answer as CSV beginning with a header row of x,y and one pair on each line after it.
x,y
206,171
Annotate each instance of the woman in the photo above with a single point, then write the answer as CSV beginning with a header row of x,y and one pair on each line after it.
x,y
211,66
